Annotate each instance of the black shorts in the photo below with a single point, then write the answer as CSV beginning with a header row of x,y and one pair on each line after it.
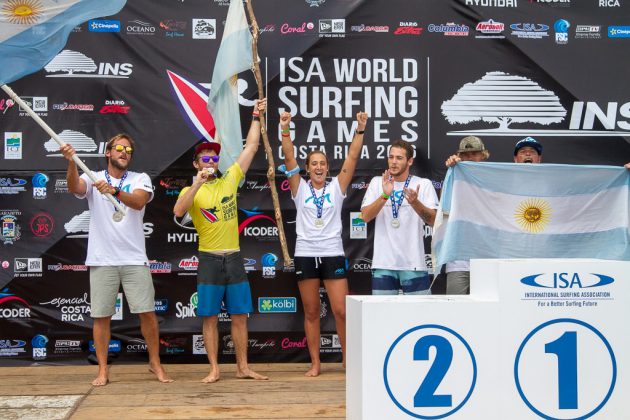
x,y
323,268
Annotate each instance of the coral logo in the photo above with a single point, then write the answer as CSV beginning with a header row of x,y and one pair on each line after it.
x,y
567,280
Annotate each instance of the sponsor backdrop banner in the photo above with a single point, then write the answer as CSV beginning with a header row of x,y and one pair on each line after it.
x,y
429,72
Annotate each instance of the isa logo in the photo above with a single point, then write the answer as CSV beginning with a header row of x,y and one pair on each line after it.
x,y
39,346
562,31
269,261
567,280
277,305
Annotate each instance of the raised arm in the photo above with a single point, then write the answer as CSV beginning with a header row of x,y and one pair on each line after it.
x,y
350,164
253,137
287,150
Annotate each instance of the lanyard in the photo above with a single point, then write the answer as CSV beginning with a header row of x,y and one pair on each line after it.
x,y
319,202
396,205
120,184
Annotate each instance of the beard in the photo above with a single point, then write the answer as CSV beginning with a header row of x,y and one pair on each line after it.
x,y
119,165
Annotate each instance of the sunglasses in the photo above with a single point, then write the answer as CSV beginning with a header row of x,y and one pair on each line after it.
x,y
120,148
207,159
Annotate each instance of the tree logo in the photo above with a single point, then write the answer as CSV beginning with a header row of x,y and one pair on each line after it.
x,y
505,99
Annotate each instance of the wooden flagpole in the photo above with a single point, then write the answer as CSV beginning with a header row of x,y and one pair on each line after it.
x,y
271,173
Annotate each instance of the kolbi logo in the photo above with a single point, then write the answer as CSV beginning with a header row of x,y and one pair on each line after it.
x,y
39,185
269,261
75,64
277,304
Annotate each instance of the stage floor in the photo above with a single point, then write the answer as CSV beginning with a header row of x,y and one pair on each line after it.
x,y
59,392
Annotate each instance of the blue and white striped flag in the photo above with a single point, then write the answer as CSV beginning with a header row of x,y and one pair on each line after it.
x,y
234,57
33,32
506,210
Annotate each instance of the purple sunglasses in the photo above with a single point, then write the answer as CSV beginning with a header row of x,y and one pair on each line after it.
x,y
207,159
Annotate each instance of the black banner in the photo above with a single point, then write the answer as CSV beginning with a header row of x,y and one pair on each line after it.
x,y
428,71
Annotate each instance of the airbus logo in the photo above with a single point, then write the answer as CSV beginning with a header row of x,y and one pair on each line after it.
x,y
74,64
567,280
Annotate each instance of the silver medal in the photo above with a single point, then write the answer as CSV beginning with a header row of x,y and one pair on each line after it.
x,y
117,216
395,223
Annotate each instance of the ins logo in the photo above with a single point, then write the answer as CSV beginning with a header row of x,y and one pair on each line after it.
x,y
567,280
76,64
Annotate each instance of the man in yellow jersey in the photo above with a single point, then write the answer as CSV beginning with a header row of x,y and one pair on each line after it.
x,y
221,277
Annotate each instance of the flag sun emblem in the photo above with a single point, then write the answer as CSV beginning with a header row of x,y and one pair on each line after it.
x,y
533,215
22,12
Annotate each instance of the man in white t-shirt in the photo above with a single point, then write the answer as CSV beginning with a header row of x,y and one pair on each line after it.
x,y
402,204
116,251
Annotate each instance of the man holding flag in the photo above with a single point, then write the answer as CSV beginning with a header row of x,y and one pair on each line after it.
x,y
211,200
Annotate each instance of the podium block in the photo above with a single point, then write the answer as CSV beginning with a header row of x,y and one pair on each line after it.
x,y
536,338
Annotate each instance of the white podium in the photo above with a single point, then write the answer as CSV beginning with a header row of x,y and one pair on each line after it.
x,y
536,338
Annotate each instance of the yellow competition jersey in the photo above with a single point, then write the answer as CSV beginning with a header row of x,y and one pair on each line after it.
x,y
214,212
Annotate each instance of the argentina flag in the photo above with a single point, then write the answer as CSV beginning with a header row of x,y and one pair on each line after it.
x,y
506,210
32,32
234,56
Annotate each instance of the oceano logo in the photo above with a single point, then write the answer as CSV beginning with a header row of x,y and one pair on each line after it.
x,y
566,280
507,99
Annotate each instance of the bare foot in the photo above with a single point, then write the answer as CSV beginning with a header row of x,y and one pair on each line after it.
x,y
314,371
161,374
101,379
213,376
250,374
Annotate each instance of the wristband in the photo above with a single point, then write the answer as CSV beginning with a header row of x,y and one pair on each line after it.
x,y
359,131
116,192
385,196
290,173
287,131
255,117
286,135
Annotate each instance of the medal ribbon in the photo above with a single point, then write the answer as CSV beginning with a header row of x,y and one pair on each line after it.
x,y
120,184
396,205
319,202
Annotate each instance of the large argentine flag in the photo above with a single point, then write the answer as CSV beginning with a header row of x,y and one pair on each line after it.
x,y
234,57
32,32
506,210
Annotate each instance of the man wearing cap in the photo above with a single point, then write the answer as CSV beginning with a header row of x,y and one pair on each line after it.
x,y
402,204
471,149
211,203
528,150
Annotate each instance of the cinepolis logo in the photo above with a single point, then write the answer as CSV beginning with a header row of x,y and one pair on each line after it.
x,y
75,64
567,280
507,99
